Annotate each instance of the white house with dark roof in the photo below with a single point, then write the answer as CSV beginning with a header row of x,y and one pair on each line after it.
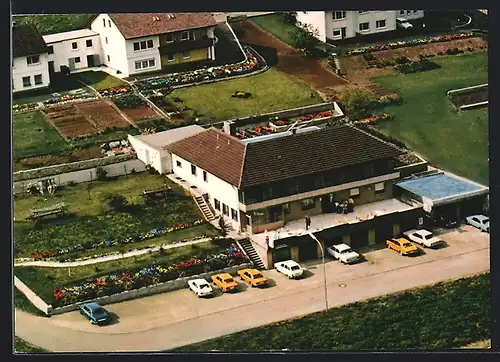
x,y
75,49
136,43
30,68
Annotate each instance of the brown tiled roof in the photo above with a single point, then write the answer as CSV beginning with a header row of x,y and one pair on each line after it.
x,y
26,40
247,164
214,151
136,25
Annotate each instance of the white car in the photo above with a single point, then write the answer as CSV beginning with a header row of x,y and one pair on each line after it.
x,y
403,23
200,287
290,268
343,252
423,237
480,221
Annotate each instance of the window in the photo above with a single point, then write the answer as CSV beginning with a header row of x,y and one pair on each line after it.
x,y
364,26
380,24
415,11
286,209
185,35
178,164
34,59
77,60
354,192
234,215
109,59
38,79
104,22
205,176
26,81
193,170
408,12
420,220
225,209
149,43
74,45
217,204
337,15
308,204
186,55
337,32
106,40
379,187
170,38
401,12
170,57
141,45
151,63
50,49
144,64
109,23
363,11
88,42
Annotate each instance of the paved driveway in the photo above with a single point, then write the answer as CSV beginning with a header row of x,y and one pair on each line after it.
x,y
177,318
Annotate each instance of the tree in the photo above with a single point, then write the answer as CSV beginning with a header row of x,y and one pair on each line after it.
x,y
358,102
101,174
223,227
290,17
305,38
116,201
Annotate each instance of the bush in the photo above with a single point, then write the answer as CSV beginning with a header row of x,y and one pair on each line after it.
x,y
116,202
440,53
454,51
101,174
368,56
358,102
415,67
290,17
129,101
151,170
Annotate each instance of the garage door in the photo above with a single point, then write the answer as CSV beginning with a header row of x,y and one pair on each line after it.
x,y
308,251
383,232
333,241
359,239
281,254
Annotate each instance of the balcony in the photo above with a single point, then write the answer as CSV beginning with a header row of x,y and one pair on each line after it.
x,y
181,46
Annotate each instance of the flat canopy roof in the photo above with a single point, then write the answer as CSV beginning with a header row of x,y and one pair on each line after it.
x,y
442,188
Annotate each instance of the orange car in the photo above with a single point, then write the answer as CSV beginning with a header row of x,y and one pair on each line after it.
x,y
402,245
225,282
252,276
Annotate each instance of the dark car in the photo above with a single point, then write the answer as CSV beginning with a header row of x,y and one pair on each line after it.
x,y
95,313
445,221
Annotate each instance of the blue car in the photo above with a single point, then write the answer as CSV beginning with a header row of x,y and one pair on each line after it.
x,y
95,313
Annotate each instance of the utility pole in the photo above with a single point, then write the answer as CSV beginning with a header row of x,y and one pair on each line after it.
x,y
324,268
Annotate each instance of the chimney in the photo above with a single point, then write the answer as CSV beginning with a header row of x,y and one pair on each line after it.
x,y
230,128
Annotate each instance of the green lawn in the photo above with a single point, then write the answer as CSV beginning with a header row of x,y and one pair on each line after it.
x,y
43,280
446,315
99,80
33,135
429,125
274,24
56,23
89,220
21,346
271,91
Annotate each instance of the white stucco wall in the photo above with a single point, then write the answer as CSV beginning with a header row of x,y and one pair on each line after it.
x,y
418,15
145,54
63,51
315,19
214,187
20,69
155,156
115,47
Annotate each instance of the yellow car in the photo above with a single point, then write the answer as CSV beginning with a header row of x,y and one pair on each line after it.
x,y
402,245
225,282
252,276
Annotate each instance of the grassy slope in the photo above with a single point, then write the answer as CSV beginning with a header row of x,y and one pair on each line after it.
x,y
21,346
446,315
427,122
271,91
33,135
274,24
56,23
100,80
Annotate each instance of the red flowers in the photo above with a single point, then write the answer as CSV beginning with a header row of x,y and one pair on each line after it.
x,y
316,115
376,118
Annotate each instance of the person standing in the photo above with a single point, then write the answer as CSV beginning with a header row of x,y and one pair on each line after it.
x,y
308,222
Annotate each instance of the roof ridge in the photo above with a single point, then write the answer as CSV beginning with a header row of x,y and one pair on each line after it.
x,y
377,138
243,163
185,138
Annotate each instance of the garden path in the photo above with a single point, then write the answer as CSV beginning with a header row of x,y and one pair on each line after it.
x,y
56,264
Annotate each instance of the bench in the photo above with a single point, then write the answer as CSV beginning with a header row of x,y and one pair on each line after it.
x,y
159,193
57,209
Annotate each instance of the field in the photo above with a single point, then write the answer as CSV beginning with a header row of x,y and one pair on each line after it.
x,y
48,24
90,221
33,135
275,25
429,125
84,118
271,91
446,315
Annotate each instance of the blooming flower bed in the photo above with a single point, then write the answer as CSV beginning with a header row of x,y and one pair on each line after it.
x,y
373,119
418,66
199,75
308,117
68,98
108,243
18,108
109,92
154,274
409,43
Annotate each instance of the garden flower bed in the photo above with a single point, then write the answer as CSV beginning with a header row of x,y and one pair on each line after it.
x,y
68,98
108,243
18,108
409,43
374,119
154,274
109,92
418,66
200,75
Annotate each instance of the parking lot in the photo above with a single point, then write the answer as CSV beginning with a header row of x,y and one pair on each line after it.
x,y
182,305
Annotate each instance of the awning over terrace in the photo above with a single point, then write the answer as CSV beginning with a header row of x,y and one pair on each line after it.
x,y
441,188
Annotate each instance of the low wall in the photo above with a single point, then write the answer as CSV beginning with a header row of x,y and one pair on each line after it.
x,y
408,170
151,290
466,90
473,105
32,297
89,174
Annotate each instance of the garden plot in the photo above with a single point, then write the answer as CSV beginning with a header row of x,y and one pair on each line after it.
x,y
79,119
135,107
470,97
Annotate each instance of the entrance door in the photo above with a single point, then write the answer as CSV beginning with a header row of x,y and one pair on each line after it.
x,y
327,203
90,61
308,251
51,67
343,32
71,62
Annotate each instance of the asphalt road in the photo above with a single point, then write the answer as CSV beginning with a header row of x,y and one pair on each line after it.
x,y
177,318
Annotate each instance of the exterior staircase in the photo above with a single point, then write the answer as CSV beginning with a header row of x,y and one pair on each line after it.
x,y
205,208
248,248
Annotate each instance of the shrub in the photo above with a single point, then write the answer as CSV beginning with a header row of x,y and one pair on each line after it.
x,y
454,51
129,101
358,102
419,66
101,174
368,56
116,201
290,17
440,53
151,170
470,49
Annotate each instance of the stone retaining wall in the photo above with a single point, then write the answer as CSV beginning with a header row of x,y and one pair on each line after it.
x,y
150,290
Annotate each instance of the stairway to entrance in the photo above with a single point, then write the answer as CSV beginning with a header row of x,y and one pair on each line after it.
x,y
247,246
205,209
